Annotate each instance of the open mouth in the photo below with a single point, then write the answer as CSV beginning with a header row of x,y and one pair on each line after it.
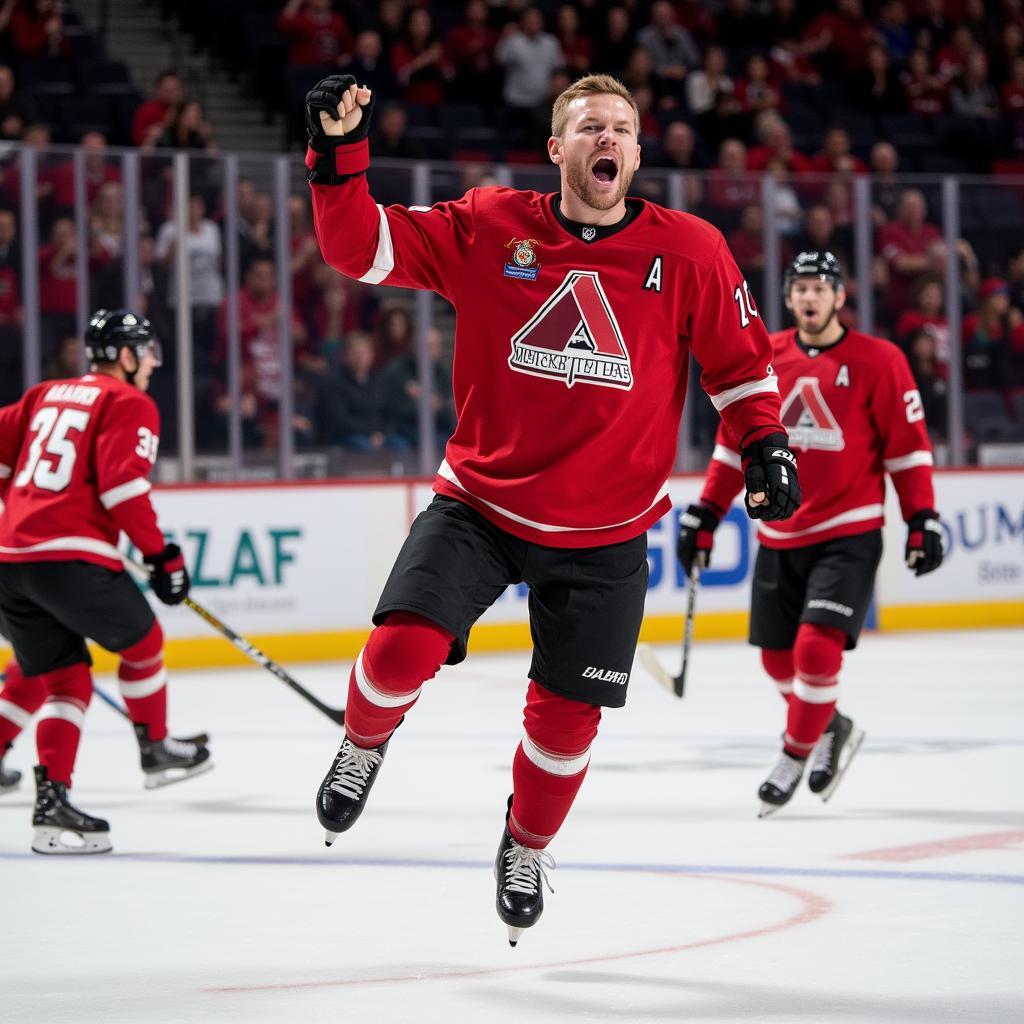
x,y
605,169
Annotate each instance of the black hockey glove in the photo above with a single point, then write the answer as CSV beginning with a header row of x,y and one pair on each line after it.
x,y
924,542
696,536
770,467
325,96
167,575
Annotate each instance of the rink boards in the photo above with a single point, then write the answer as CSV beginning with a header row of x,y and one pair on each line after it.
x,y
297,568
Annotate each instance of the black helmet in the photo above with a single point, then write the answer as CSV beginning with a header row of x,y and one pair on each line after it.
x,y
111,330
822,265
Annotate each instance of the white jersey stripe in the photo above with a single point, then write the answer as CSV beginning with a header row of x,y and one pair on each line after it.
x,y
555,764
5,471
741,391
91,544
384,258
445,471
19,716
375,696
809,694
65,710
728,456
125,492
853,515
136,689
918,458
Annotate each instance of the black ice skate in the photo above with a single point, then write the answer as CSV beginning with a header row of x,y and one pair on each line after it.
x,y
342,795
169,760
779,787
9,778
62,828
520,871
833,754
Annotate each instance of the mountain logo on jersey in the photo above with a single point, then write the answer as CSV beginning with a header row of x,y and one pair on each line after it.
x,y
808,419
524,265
574,336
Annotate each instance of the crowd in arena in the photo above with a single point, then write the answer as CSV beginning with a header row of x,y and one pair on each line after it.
x,y
814,94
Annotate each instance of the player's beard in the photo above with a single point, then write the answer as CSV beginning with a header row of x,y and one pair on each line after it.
x,y
813,332
581,181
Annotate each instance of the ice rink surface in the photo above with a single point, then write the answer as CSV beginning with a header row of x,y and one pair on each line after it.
x,y
900,900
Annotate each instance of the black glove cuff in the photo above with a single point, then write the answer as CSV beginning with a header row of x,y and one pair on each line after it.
x,y
170,552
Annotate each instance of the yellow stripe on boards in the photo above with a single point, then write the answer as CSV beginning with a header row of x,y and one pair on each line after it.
x,y
989,615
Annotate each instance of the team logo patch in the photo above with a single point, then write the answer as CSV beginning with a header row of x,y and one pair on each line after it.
x,y
524,265
574,336
808,419
589,234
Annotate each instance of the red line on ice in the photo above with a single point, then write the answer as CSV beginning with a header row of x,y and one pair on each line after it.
x,y
943,847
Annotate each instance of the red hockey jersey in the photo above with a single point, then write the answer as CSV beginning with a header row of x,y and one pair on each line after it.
x,y
75,457
853,413
571,357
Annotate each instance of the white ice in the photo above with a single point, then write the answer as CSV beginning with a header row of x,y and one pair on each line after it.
x,y
672,903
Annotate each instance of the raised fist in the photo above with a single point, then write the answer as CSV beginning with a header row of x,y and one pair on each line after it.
x,y
339,109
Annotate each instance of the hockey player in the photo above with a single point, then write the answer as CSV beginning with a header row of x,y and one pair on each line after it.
x,y
77,456
577,313
853,411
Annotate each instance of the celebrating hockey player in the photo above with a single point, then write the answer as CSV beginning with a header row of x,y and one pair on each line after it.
x,y
853,412
76,456
577,314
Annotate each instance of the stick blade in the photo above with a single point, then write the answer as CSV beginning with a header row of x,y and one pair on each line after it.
x,y
650,662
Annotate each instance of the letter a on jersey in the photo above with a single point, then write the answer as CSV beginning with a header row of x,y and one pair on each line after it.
x,y
808,419
574,336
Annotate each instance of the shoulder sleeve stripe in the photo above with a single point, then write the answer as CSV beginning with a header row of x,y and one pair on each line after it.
x,y
384,259
125,492
755,387
5,471
918,458
728,456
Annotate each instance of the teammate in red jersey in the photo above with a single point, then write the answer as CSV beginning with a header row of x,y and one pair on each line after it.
x,y
854,413
577,314
76,456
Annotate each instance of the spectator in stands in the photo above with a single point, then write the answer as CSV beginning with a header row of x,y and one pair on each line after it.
x,y
305,262
1015,276
926,92
99,169
58,276
951,59
672,48
931,381
837,39
836,156
402,391
418,61
12,315
756,91
391,140
910,246
747,244
971,93
613,46
875,88
820,234
530,57
389,21
1009,48
788,214
393,335
317,36
776,144
740,27
990,337
106,219
36,29
469,50
187,130
705,85
352,404
157,114
893,28
66,360
932,20
730,185
886,188
577,47
1012,92
16,110
369,66
107,291
680,148
926,314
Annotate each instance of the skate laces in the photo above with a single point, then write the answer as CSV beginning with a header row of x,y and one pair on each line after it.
x,y
524,866
179,748
353,769
822,757
786,772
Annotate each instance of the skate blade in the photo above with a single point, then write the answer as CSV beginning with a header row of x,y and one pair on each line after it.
x,y
50,840
850,750
514,934
169,776
10,787
767,809
329,837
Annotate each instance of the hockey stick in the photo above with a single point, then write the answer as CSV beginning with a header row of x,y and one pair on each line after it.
x,y
336,715
201,739
649,660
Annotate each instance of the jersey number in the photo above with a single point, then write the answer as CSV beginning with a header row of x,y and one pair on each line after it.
x,y
745,303
148,444
915,409
51,428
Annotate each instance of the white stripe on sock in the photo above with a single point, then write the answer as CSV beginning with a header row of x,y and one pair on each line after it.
x,y
135,689
63,709
555,764
804,691
19,716
375,696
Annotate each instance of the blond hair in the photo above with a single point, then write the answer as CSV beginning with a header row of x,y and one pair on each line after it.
x,y
589,85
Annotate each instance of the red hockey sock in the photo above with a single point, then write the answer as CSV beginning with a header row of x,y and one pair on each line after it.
x,y
550,764
779,665
400,655
143,682
21,697
69,691
818,654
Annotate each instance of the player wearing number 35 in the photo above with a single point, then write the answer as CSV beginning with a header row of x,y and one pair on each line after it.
x,y
577,314
75,458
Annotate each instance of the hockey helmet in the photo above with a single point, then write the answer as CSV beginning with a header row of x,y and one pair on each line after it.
x,y
822,265
109,331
